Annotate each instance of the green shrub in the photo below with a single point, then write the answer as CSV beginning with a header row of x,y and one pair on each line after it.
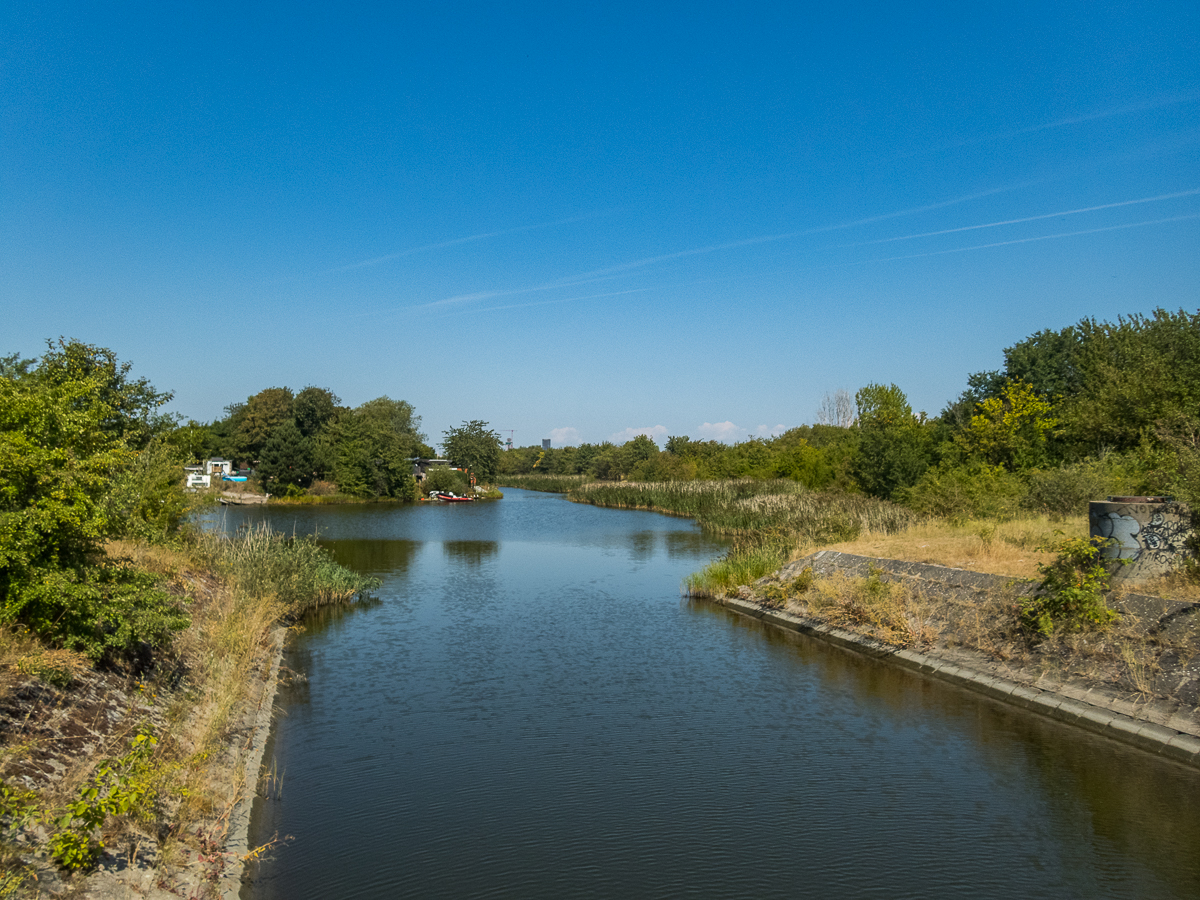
x,y
1066,490
1072,591
958,493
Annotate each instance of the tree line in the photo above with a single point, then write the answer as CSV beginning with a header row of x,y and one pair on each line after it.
x,y
1093,408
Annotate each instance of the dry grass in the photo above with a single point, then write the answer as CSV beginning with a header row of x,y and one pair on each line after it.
x,y
998,548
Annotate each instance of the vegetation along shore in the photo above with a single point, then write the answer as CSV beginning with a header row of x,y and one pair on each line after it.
x,y
134,652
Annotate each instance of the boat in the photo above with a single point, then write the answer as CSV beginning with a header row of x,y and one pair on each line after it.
x,y
451,497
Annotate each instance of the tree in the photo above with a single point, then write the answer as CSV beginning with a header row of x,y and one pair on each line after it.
x,y
369,449
475,447
71,430
287,459
129,407
836,409
882,407
313,408
1010,430
257,420
895,448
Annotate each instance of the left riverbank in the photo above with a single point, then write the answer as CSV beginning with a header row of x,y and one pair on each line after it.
x,y
137,779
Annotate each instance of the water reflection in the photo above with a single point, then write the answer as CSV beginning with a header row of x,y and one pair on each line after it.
x,y
1077,775
472,553
374,557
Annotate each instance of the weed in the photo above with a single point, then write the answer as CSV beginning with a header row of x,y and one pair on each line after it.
x,y
1072,592
119,786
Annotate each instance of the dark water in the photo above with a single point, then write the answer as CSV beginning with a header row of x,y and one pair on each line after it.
x,y
531,711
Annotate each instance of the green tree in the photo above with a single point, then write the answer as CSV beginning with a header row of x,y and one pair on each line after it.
x,y
1010,430
369,449
256,420
71,427
895,448
287,459
475,447
313,408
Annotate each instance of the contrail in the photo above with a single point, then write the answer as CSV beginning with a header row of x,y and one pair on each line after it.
x,y
1058,123
1044,237
770,238
452,243
1055,215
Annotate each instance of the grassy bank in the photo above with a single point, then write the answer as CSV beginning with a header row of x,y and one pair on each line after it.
x,y
555,484
157,787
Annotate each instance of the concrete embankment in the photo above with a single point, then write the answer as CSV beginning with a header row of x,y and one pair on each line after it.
x,y
1169,729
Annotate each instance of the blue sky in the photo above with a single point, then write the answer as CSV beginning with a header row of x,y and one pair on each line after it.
x,y
580,220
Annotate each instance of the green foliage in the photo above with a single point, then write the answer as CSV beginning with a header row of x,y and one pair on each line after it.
x,y
104,610
146,497
314,408
1011,429
1072,590
749,559
119,787
475,447
257,419
959,492
882,406
1066,490
892,458
71,476
127,407
748,507
286,461
370,448
444,478
551,483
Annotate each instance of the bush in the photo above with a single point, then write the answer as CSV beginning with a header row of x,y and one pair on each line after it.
x,y
1066,490
958,493
1072,592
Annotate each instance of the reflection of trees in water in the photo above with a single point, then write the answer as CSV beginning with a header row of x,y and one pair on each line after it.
x,y
691,544
473,553
1140,807
1143,807
374,557
641,545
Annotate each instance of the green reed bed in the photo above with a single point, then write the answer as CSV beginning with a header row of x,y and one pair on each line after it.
x,y
296,571
769,520
554,484
747,507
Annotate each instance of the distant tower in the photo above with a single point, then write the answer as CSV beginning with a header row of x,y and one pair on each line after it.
x,y
545,443
508,444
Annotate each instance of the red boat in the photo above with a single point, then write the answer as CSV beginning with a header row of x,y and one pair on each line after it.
x,y
449,497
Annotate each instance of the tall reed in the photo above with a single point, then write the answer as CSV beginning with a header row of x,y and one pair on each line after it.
x,y
296,571
745,507
556,484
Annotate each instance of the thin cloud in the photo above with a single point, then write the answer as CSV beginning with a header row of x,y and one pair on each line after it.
x,y
789,235
1057,123
441,245
1029,240
1054,215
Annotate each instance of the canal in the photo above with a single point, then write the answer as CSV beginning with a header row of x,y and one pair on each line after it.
x,y
530,710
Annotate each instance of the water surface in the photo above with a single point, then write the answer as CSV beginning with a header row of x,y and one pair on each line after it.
x,y
529,710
